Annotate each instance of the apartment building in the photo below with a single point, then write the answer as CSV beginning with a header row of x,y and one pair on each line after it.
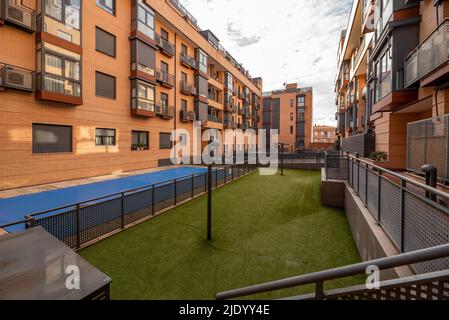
x,y
96,87
324,134
391,73
290,111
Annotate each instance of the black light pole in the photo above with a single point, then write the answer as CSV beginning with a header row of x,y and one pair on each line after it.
x,y
209,197
281,146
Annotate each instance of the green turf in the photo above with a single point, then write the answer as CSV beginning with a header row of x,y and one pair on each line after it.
x,y
264,228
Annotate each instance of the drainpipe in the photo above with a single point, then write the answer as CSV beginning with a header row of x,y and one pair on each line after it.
x,y
176,88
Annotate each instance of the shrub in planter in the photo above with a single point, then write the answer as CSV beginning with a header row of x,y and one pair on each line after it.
x,y
378,156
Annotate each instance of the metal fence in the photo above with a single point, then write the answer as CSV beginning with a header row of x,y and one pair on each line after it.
x,y
78,225
428,143
400,205
362,144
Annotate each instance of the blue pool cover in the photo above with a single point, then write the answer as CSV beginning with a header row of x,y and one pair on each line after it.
x,y
15,209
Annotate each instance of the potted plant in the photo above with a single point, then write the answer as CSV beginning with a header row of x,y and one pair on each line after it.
x,y
378,157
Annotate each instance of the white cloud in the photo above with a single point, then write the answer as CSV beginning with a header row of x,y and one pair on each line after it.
x,y
282,41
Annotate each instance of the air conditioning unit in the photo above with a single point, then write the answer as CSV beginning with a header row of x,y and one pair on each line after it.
x,y
17,78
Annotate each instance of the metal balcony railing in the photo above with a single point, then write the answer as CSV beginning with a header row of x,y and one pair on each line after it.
x,y
184,12
428,142
163,110
428,56
188,116
165,78
188,61
166,46
214,118
187,88
20,16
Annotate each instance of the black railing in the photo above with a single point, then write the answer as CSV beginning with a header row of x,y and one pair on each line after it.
x,y
80,224
403,207
165,78
188,61
187,88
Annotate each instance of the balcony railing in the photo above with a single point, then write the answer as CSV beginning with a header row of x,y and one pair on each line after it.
x,y
428,56
165,46
214,118
428,144
184,12
165,78
187,88
188,116
19,16
188,61
230,125
164,111
363,144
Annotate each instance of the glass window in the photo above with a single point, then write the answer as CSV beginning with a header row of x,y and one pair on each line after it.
x,y
53,8
107,5
140,140
145,18
61,75
72,13
202,61
105,85
145,96
104,137
52,138
165,140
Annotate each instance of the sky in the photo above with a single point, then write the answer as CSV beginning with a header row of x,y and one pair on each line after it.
x,y
281,41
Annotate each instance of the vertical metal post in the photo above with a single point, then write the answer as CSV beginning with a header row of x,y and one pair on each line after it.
x,y
319,290
123,210
326,167
152,201
403,186
193,194
379,192
209,203
216,177
232,169
358,174
366,184
225,175
175,189
78,231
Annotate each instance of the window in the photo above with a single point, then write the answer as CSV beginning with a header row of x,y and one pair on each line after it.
x,y
104,42
183,48
145,17
104,85
384,75
291,103
301,101
202,61
184,77
104,137
145,96
67,12
143,57
184,105
52,138
165,141
292,116
61,75
164,34
140,140
164,67
291,129
107,5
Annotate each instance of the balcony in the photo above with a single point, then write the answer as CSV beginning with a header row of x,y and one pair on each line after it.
x,y
16,78
368,16
230,125
187,88
246,113
187,116
214,118
164,111
142,108
165,79
19,16
430,59
188,61
363,144
165,47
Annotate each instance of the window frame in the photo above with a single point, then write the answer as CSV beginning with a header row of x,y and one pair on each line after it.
x,y
35,152
115,42
63,14
42,73
106,8
105,144
115,85
139,132
165,147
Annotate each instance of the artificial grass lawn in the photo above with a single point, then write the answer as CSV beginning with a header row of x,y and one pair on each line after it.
x,y
264,227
